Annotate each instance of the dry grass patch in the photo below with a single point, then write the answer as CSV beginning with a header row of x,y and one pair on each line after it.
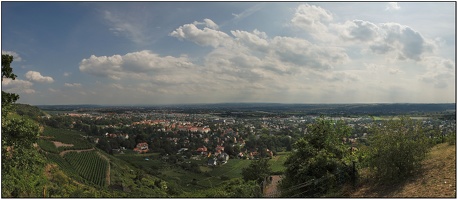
x,y
437,178
438,175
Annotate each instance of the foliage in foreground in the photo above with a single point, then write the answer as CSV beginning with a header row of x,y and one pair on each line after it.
x,y
396,149
320,161
22,165
257,171
234,188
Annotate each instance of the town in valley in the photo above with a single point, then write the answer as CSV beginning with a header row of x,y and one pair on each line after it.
x,y
229,129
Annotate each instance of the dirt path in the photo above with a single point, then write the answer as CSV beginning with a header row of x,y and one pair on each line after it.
x,y
60,144
271,189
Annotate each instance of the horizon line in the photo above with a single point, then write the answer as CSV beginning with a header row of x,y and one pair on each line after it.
x,y
181,104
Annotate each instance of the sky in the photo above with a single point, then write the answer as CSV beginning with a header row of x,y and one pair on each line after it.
x,y
119,53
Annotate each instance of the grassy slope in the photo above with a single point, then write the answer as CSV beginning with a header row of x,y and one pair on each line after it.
x,y
437,178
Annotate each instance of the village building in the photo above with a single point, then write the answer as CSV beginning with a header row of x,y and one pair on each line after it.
x,y
141,147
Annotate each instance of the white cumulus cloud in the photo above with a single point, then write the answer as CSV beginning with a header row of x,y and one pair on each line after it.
x,y
17,86
392,6
256,40
409,43
208,23
72,84
208,36
140,65
102,66
304,53
393,39
314,20
359,30
37,77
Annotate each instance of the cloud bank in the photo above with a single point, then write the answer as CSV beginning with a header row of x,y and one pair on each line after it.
x,y
251,65
17,86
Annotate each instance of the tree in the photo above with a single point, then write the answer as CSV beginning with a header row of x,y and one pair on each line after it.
x,y
229,150
22,165
94,130
258,170
319,161
104,145
7,72
396,149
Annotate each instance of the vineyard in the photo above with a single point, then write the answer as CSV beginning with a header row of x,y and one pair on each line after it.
x,y
75,155
47,146
65,166
89,165
66,137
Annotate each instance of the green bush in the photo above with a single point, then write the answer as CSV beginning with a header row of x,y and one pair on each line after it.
x,y
396,149
224,178
277,173
233,188
451,138
257,170
319,163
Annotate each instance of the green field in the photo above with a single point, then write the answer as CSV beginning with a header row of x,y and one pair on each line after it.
x,y
419,118
278,160
377,118
140,159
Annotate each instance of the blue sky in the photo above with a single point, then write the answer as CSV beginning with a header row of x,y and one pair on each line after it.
x,y
212,52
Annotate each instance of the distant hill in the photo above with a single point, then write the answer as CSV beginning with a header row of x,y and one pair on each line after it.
x,y
311,109
32,112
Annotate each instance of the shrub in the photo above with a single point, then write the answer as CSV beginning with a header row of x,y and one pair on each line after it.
x,y
396,149
257,170
224,177
451,138
277,173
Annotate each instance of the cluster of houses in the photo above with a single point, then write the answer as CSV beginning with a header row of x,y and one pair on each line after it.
x,y
116,135
174,126
218,157
151,122
194,129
